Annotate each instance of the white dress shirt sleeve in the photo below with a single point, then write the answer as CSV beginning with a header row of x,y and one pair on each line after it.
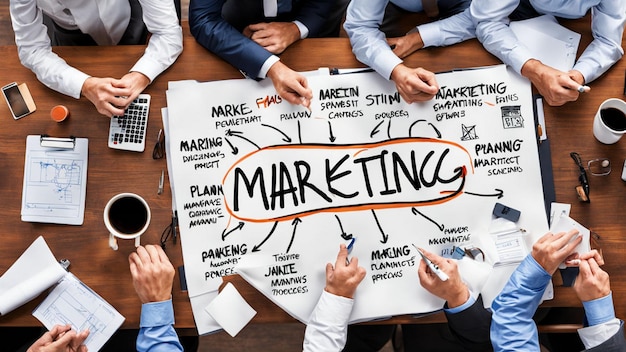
x,y
166,39
35,51
363,19
327,330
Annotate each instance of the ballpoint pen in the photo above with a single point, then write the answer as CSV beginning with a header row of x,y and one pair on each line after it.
x,y
583,89
161,180
433,267
174,225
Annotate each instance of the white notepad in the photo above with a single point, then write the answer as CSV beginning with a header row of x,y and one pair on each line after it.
x,y
55,180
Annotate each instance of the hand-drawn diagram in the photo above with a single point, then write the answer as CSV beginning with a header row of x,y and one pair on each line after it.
x,y
60,177
54,185
269,190
71,302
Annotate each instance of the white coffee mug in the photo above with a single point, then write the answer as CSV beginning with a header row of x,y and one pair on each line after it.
x,y
609,124
126,216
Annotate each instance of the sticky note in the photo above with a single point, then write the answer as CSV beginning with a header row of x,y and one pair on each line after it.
x,y
230,310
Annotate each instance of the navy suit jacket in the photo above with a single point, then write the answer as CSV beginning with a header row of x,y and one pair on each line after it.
x,y
213,32
471,326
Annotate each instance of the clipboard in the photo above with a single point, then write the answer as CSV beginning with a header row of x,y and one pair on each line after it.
x,y
55,180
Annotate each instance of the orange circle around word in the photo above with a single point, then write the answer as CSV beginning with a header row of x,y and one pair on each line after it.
x,y
59,113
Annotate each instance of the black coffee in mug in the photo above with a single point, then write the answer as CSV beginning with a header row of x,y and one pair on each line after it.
x,y
614,119
128,215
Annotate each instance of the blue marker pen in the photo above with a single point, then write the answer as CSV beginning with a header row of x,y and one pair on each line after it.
x,y
349,248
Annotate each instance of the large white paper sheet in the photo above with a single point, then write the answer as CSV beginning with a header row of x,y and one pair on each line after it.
x,y
269,190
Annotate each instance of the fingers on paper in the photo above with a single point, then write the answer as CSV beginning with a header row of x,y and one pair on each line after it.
x,y
342,256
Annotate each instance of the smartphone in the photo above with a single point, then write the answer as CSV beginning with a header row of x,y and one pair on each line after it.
x,y
18,99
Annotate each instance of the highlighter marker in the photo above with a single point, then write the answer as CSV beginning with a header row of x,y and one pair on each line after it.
x,y
435,269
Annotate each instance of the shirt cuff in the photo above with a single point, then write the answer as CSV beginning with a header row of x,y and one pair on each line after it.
x,y
385,61
147,67
586,70
599,310
530,268
470,301
304,31
596,335
76,79
267,65
431,34
157,314
335,310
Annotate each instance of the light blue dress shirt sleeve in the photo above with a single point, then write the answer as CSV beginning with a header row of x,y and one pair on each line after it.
x,y
156,328
491,19
512,325
470,301
607,27
601,319
369,45
608,18
448,31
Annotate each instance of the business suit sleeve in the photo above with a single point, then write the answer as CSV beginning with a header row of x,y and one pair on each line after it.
x,y
219,37
616,343
471,326
313,14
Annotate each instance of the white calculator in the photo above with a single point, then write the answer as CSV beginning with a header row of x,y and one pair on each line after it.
x,y
128,132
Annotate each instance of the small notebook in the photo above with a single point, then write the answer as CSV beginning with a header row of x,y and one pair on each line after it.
x,y
55,180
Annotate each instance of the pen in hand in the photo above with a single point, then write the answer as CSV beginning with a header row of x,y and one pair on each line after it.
x,y
349,248
432,266
583,89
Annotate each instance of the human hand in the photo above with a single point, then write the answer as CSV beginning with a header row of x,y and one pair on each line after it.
x,y
453,290
152,273
60,339
591,282
343,278
290,85
414,84
136,82
556,87
275,37
406,45
553,249
595,254
108,95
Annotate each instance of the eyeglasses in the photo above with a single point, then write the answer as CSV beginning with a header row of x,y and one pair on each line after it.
x,y
159,148
582,190
599,167
170,231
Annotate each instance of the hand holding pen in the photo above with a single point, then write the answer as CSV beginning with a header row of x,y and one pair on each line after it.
x,y
453,289
343,278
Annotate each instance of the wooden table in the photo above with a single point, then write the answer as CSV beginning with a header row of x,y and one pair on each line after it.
x,y
112,171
